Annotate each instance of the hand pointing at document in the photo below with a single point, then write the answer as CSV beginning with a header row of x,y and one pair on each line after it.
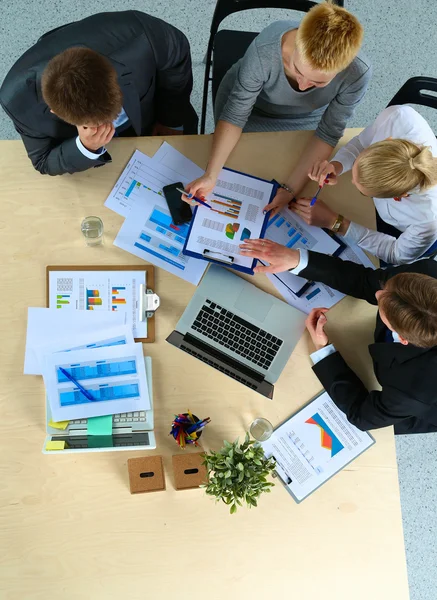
x,y
280,258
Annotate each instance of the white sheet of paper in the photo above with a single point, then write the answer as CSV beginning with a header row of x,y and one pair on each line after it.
x,y
171,158
148,232
319,295
313,445
113,336
236,214
144,173
99,291
114,375
51,326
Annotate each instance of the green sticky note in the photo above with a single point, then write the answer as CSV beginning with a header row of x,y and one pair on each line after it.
x,y
100,425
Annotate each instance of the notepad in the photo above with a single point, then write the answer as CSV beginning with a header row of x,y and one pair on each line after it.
x,y
58,445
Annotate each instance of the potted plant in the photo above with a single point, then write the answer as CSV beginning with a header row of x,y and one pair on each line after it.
x,y
238,473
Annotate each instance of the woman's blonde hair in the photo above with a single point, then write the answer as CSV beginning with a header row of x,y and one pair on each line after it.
x,y
329,37
392,168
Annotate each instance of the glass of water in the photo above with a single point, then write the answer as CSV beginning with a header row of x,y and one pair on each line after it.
x,y
92,229
261,429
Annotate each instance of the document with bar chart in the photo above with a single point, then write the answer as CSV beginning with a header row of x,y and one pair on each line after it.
x,y
116,291
149,233
313,445
115,377
236,214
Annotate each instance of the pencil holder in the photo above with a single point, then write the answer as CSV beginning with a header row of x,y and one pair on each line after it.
x,y
187,429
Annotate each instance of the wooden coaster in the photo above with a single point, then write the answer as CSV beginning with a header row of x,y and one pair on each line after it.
x,y
146,474
188,470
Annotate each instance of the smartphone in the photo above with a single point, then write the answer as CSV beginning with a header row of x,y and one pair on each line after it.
x,y
180,211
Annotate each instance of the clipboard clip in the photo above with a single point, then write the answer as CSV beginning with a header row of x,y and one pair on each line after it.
x,y
149,302
218,256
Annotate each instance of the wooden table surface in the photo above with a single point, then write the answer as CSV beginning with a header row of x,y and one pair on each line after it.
x,y
70,529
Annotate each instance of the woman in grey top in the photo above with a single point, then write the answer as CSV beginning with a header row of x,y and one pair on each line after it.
x,y
294,75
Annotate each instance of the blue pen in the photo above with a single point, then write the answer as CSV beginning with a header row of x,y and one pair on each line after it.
x,y
313,201
190,196
85,392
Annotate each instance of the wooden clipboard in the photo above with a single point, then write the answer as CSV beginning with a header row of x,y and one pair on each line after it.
x,y
150,284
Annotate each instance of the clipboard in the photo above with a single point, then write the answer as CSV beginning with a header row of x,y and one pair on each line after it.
x,y
150,285
223,258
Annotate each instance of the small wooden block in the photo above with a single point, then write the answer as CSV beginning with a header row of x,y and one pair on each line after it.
x,y
188,470
146,474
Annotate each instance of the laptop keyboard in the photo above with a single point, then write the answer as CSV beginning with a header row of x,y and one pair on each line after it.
x,y
230,331
139,416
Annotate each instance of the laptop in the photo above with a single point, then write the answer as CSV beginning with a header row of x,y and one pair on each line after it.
x,y
130,431
239,330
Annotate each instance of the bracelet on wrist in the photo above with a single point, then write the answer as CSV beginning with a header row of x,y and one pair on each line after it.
x,y
288,189
337,224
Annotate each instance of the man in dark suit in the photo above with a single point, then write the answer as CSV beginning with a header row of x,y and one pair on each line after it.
x,y
119,73
405,350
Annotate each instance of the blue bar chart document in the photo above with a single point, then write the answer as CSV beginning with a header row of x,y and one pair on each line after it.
x,y
114,377
314,445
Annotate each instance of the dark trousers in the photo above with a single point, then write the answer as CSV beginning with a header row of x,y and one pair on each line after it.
x,y
413,425
190,125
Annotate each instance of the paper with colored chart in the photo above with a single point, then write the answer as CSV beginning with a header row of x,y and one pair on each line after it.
x,y
314,445
236,214
115,376
99,291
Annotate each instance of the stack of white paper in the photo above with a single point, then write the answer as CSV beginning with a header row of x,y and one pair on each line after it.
x,y
97,351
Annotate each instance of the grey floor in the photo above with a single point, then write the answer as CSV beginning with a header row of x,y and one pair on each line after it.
x,y
401,40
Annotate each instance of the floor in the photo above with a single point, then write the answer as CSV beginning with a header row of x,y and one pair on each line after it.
x,y
401,43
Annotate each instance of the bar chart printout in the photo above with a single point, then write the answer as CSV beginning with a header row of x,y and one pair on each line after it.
x,y
99,291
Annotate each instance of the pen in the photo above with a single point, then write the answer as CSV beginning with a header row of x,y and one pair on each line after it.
x,y
85,392
199,200
313,201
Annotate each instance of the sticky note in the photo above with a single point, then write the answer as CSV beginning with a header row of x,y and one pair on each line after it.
x,y
59,424
100,425
58,445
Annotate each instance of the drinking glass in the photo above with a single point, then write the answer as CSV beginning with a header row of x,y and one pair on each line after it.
x,y
92,229
261,429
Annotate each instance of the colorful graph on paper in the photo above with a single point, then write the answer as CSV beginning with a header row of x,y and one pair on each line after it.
x,y
118,293
224,205
328,439
93,299
291,235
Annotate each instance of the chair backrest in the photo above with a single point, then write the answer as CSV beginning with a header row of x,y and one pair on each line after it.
x,y
414,92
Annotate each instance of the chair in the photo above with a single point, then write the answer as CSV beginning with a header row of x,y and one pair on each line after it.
x,y
229,46
412,92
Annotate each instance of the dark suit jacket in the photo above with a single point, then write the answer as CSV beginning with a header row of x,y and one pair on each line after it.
x,y
153,63
407,374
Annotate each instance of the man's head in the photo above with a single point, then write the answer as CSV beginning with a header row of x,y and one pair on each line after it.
x,y
80,86
408,305
328,39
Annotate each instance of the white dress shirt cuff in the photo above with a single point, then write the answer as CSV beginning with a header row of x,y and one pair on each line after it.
x,y
319,355
303,262
88,153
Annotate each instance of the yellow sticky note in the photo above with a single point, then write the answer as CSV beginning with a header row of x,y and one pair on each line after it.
x,y
59,424
58,445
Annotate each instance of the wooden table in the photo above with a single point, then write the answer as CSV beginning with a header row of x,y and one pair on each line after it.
x,y
70,529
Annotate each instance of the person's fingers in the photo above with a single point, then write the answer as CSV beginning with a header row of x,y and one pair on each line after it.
x,y
264,269
314,173
110,135
303,202
256,244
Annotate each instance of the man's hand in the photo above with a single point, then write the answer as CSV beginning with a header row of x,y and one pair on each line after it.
x,y
315,323
159,129
279,202
200,187
279,257
321,169
319,215
94,138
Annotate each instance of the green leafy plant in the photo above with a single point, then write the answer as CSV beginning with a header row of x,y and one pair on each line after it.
x,y
238,473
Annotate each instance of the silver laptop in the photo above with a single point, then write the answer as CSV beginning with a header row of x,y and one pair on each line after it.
x,y
236,328
130,431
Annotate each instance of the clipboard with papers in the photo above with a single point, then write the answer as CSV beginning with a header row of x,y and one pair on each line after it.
x,y
235,213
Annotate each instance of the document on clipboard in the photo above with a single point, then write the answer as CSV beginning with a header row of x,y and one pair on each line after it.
x,y
235,214
314,445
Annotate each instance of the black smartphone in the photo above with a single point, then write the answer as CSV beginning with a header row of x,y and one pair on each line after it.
x,y
180,211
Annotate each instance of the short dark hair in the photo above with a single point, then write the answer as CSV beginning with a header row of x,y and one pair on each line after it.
x,y
410,305
80,86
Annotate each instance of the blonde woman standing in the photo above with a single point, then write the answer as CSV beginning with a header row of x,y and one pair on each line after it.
x,y
394,161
